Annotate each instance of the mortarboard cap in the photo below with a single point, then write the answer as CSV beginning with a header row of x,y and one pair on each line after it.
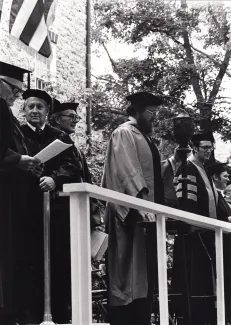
x,y
144,98
8,70
216,168
37,93
12,73
65,106
60,107
197,137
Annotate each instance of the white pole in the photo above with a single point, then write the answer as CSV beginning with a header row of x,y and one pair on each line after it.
x,y
220,277
162,269
80,259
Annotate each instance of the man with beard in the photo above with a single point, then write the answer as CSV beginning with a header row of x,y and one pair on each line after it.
x,y
193,277
57,171
133,167
15,167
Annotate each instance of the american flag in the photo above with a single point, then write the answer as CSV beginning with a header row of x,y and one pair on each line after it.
x,y
28,23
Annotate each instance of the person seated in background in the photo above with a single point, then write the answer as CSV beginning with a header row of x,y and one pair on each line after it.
x,y
57,171
218,172
227,194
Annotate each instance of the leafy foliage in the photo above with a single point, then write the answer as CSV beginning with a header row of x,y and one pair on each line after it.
x,y
170,66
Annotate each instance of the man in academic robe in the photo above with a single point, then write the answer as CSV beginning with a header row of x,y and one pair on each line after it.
x,y
64,117
193,275
57,171
15,166
218,172
132,167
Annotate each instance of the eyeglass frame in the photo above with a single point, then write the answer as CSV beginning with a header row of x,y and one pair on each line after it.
x,y
14,88
75,118
206,148
153,114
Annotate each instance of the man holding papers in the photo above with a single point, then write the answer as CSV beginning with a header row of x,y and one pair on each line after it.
x,y
57,171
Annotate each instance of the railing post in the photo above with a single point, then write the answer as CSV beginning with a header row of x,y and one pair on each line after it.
x,y
80,259
220,277
162,269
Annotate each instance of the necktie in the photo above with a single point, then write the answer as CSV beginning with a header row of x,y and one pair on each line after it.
x,y
39,135
39,132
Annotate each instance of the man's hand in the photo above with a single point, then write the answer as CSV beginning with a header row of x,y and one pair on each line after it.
x,y
28,163
38,170
47,184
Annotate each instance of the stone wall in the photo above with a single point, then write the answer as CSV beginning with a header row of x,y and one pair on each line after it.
x,y
66,68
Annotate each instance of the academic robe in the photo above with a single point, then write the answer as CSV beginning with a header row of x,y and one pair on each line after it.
x,y
194,272
62,169
60,246
129,169
14,190
6,128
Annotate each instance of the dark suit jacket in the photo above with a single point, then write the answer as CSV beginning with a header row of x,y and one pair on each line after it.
x,y
169,189
223,208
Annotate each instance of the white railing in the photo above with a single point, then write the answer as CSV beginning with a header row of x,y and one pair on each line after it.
x,y
81,249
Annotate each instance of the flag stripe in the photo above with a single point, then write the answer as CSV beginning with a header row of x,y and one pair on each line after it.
x,y
47,7
51,13
16,5
33,23
46,48
39,35
22,16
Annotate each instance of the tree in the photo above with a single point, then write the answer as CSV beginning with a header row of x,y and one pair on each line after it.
x,y
186,51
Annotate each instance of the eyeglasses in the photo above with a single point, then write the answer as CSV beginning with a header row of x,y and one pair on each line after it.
x,y
153,114
73,117
207,148
15,89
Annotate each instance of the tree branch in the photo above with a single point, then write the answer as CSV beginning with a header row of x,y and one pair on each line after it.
x,y
193,72
108,80
220,75
114,111
220,29
110,58
217,63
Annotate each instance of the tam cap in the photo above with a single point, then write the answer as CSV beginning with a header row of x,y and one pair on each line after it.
x,y
216,168
61,107
12,73
37,93
197,137
144,98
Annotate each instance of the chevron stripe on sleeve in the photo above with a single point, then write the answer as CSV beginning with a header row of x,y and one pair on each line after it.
x,y
191,190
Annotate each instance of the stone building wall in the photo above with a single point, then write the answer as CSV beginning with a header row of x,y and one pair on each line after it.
x,y
65,70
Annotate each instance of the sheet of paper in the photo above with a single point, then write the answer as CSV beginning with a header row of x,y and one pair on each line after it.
x,y
52,150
